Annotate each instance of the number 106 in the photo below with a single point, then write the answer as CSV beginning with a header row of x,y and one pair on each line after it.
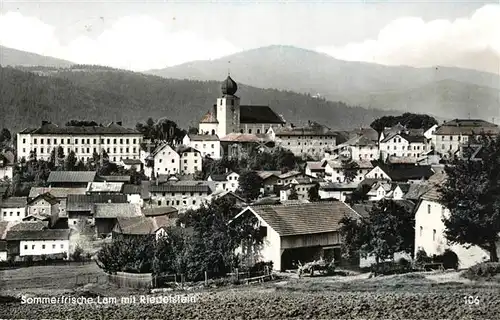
x,y
471,300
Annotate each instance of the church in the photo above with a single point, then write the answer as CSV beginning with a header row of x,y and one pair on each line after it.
x,y
228,116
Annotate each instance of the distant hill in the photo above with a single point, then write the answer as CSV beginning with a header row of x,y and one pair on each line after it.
x,y
370,85
105,94
13,57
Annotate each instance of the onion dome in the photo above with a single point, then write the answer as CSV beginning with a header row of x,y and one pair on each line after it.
x,y
229,86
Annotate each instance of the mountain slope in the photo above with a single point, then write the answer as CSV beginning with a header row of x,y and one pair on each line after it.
x,y
300,70
104,94
13,57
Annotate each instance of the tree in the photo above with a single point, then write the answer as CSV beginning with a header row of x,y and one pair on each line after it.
x,y
293,195
313,193
471,192
129,254
81,123
409,120
354,233
193,130
70,161
250,184
350,170
5,136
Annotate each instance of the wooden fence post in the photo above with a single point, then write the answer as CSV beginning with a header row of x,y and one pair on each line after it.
x,y
237,275
182,280
206,278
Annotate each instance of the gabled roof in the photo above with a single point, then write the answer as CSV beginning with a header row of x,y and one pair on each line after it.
x,y
159,211
337,164
142,225
316,166
404,173
312,129
160,148
416,191
114,178
209,118
185,149
219,177
56,192
47,234
290,174
29,226
244,137
71,176
407,137
132,189
45,196
303,219
85,202
14,202
259,114
268,174
115,210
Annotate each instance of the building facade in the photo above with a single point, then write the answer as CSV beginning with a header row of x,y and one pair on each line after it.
x,y
207,145
118,142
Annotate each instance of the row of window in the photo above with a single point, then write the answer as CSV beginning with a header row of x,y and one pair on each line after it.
x,y
82,141
409,147
313,143
433,233
310,137
464,138
11,213
85,150
204,146
43,247
173,161
183,193
175,202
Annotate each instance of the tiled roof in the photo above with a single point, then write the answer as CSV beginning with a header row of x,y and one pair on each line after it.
x,y
51,128
307,218
8,156
132,189
203,137
56,192
219,177
159,211
132,161
29,226
416,190
332,186
267,174
183,186
259,114
114,178
13,202
184,149
313,129
316,165
85,202
395,159
105,187
115,210
209,118
467,127
407,172
242,137
45,196
363,209
71,176
337,164
143,225
47,234
289,174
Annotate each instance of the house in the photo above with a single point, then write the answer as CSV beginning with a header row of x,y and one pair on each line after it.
x,y
334,170
106,215
13,209
430,231
229,116
182,195
142,226
45,205
70,179
104,187
133,193
165,160
190,160
38,243
315,168
298,232
61,194
386,190
359,147
336,190
239,145
269,180
429,133
81,208
404,145
237,200
450,136
287,177
118,142
395,129
301,185
409,174
6,165
226,182
132,164
207,144
314,139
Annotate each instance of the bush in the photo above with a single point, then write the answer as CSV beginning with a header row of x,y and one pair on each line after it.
x,y
77,254
421,257
391,267
449,259
330,268
404,263
483,271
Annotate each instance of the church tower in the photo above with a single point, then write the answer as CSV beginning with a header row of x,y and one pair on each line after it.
x,y
228,108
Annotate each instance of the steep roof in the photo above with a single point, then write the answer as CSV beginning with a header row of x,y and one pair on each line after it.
x,y
45,196
71,176
14,202
259,114
142,225
305,218
112,128
416,191
209,117
115,210
46,234
56,192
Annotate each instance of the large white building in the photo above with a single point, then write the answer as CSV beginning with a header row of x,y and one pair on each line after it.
x,y
165,160
40,242
118,142
182,195
207,145
229,116
404,145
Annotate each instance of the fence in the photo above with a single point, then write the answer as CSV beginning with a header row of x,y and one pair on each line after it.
x,y
6,265
83,279
131,280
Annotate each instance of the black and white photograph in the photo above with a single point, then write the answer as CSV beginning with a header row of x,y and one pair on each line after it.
x,y
240,159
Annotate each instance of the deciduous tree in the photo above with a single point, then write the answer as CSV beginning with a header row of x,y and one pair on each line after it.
x,y
250,184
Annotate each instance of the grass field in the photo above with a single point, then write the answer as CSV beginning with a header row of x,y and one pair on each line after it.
x,y
412,296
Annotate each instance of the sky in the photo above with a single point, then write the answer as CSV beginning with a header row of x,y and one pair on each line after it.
x,y
142,35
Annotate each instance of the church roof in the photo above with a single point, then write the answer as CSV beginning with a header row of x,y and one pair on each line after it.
x,y
229,86
209,118
259,114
